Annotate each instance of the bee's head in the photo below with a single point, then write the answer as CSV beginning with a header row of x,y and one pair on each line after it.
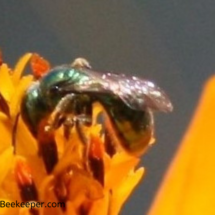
x,y
52,94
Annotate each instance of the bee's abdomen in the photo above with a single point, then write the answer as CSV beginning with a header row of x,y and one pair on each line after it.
x,y
131,129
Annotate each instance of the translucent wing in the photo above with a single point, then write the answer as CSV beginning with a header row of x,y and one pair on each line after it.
x,y
135,92
139,93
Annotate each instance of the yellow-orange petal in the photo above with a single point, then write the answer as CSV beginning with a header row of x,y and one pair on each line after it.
x,y
119,167
5,137
101,206
16,98
189,185
25,143
120,194
82,187
6,85
47,195
6,161
19,68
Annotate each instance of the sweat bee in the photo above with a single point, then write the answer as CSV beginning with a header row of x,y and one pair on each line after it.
x,y
70,92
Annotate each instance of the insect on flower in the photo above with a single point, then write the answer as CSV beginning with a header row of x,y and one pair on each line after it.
x,y
68,92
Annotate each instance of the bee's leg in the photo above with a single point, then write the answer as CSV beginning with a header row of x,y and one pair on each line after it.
x,y
71,105
93,162
67,126
83,118
79,111
85,141
109,143
61,110
74,109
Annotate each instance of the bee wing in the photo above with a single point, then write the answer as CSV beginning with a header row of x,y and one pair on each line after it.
x,y
140,93
135,92
91,82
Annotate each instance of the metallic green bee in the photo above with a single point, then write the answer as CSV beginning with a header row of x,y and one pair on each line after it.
x,y
70,91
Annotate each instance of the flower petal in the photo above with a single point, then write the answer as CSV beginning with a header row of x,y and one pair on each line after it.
x,y
120,166
16,98
6,136
6,85
5,166
25,143
188,187
120,195
101,206
19,68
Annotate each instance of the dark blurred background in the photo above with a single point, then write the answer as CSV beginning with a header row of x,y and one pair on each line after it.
x,y
171,42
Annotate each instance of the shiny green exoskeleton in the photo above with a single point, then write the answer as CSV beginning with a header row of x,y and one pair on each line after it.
x,y
71,91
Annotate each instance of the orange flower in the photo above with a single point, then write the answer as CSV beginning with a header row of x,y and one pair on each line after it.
x,y
189,185
23,176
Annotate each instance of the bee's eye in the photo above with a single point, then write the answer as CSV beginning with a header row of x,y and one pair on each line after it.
x,y
54,89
